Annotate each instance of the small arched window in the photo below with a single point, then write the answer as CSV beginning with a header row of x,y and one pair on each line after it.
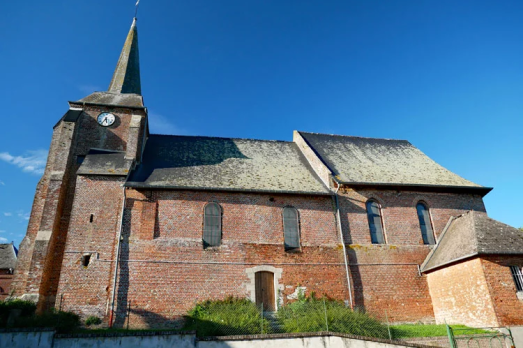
x,y
291,228
424,223
212,225
375,225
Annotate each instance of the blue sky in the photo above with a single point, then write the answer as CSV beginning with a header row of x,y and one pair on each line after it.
x,y
445,75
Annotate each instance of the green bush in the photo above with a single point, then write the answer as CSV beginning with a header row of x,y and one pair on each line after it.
x,y
27,309
232,316
308,315
92,320
61,321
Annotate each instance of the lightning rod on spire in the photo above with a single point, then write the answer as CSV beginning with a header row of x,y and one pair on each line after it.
x,y
136,9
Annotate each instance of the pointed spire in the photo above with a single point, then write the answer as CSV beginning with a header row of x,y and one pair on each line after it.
x,y
126,77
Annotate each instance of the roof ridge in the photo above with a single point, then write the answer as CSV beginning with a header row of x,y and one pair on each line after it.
x,y
352,136
215,137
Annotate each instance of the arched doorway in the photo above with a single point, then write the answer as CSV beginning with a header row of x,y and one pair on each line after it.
x,y
264,288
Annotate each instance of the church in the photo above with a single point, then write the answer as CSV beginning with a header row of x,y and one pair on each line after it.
x,y
123,218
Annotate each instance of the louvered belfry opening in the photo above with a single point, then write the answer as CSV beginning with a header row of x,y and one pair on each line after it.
x,y
291,228
212,225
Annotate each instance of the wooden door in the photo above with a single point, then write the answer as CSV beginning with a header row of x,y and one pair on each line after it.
x,y
264,283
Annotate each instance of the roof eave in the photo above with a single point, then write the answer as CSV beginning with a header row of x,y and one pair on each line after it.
x,y
138,185
108,105
430,188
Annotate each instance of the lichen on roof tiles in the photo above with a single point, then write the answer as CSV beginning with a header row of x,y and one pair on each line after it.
x,y
380,161
224,163
471,234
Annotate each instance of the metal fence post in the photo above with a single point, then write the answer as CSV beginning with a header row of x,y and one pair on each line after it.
x,y
388,325
128,314
452,341
261,321
325,310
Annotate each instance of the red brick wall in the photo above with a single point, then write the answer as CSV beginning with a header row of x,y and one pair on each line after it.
x,y
399,214
508,308
5,283
164,269
460,295
40,261
88,290
386,276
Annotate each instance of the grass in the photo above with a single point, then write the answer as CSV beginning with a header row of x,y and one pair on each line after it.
x,y
232,316
430,330
312,315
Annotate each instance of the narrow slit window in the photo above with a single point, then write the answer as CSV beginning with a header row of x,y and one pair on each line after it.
x,y
91,218
375,224
212,225
291,228
518,277
424,222
86,258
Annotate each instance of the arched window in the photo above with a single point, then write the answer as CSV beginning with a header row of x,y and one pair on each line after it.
x,y
375,225
212,225
291,228
424,223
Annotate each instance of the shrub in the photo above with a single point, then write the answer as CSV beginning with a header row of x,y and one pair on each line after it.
x,y
92,320
232,316
27,309
62,322
313,315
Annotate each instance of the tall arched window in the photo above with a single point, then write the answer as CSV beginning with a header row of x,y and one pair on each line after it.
x,y
212,225
291,228
375,225
424,223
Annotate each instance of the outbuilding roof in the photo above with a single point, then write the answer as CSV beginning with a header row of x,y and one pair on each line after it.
x,y
195,162
8,254
472,234
357,160
103,162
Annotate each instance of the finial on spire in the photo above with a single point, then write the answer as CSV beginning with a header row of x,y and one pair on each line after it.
x,y
126,77
136,9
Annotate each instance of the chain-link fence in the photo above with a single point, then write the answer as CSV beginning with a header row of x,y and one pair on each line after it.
x,y
233,317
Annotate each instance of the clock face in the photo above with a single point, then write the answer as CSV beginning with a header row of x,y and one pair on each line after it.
x,y
106,119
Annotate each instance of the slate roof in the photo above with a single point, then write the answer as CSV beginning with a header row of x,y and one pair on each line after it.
x,y
102,162
357,160
109,98
224,164
8,254
472,234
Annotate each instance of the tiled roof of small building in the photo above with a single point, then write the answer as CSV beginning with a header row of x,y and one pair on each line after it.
x,y
224,164
101,162
472,234
8,254
359,160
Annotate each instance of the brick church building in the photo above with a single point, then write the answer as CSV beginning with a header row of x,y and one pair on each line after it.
x,y
122,216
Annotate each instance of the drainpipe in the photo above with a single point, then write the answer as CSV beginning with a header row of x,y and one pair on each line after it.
x,y
338,218
119,237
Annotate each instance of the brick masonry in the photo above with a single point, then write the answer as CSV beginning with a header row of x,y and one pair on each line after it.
x,y
163,268
460,295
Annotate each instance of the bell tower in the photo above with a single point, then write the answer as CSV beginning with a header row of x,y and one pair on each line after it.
x,y
100,135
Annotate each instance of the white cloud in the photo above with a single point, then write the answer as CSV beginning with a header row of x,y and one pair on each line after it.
x,y
8,214
32,162
159,124
23,216
3,240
